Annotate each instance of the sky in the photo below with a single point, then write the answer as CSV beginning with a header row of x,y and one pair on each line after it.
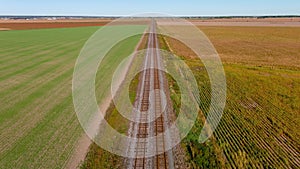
x,y
130,7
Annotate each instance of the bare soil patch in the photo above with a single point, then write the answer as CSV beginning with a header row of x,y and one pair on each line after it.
x,y
4,29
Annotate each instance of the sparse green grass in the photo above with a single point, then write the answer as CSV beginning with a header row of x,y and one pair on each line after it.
x,y
204,155
38,125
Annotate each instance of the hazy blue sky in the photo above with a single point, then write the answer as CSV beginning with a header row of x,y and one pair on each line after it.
x,y
128,7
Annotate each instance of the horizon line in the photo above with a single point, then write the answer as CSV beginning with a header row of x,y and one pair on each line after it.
x,y
64,15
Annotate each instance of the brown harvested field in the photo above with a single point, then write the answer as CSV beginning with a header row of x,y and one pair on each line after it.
x,y
41,24
260,124
272,46
273,22
284,19
64,23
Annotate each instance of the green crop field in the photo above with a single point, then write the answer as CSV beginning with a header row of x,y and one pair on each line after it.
x,y
38,125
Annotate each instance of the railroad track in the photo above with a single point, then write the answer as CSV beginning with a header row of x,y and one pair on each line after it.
x,y
149,102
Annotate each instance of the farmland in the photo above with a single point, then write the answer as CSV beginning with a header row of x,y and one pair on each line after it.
x,y
259,128
46,24
39,127
260,123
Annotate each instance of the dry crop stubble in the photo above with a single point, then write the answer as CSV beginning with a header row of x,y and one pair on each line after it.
x,y
260,121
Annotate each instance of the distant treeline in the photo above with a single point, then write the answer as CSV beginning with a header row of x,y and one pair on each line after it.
x,y
115,17
231,17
